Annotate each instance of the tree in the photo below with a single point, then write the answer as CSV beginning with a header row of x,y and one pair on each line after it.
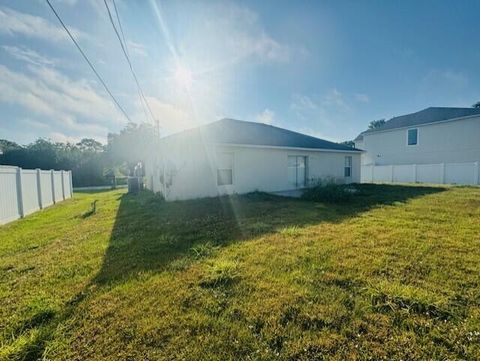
x,y
476,105
90,161
349,143
90,145
86,159
132,145
7,145
375,124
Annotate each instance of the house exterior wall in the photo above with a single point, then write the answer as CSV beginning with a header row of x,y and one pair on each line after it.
x,y
454,141
190,171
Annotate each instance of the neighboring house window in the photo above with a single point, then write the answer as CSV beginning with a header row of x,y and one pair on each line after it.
x,y
412,136
225,169
348,166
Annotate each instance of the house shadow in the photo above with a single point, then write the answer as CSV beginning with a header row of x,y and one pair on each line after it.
x,y
150,234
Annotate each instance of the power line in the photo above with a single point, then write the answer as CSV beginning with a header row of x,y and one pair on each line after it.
x,y
126,49
125,52
129,62
88,61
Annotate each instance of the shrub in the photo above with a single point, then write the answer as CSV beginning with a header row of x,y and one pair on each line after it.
x,y
329,193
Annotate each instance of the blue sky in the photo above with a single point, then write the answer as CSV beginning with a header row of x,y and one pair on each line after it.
x,y
325,68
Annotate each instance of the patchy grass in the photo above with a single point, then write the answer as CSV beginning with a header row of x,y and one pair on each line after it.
x,y
392,274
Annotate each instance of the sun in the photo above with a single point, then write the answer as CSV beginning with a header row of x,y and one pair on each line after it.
x,y
183,76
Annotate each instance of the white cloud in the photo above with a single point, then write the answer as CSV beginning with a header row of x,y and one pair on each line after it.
x,y
444,79
28,55
63,138
14,22
363,98
230,33
267,116
444,87
32,123
137,48
334,99
333,114
72,105
301,102
172,118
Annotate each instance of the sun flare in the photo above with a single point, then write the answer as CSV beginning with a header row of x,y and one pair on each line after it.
x,y
183,76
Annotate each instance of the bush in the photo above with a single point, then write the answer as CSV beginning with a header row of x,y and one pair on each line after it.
x,y
329,193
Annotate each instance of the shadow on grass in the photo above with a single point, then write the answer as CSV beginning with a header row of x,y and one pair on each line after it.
x,y
152,235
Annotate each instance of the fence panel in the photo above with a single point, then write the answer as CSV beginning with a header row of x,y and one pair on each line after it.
x,y
46,187
382,173
58,186
460,173
445,173
404,173
30,198
366,174
430,173
25,191
9,207
66,184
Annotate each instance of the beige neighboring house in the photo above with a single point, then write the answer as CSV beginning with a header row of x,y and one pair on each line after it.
x,y
233,156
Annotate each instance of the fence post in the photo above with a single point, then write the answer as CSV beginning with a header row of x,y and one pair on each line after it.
x,y
52,177
63,185
21,212
476,172
373,170
415,180
443,172
71,183
391,174
39,188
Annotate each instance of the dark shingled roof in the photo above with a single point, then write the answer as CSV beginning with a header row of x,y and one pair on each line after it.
x,y
232,131
428,115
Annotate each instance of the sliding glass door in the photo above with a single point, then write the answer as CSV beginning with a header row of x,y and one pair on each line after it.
x,y
297,171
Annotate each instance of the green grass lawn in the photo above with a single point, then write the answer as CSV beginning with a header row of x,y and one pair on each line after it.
x,y
393,274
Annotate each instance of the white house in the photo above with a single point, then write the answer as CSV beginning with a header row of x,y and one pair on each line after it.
x,y
434,145
232,156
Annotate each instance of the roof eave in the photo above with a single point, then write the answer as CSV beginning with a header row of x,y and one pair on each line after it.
x,y
367,132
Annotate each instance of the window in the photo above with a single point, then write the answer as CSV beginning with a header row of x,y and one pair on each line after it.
x,y
348,166
412,136
224,169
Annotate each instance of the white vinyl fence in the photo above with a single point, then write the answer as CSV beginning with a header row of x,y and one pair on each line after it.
x,y
443,173
24,191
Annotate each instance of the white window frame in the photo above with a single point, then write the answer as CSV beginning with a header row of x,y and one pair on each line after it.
x,y
418,137
232,169
348,167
